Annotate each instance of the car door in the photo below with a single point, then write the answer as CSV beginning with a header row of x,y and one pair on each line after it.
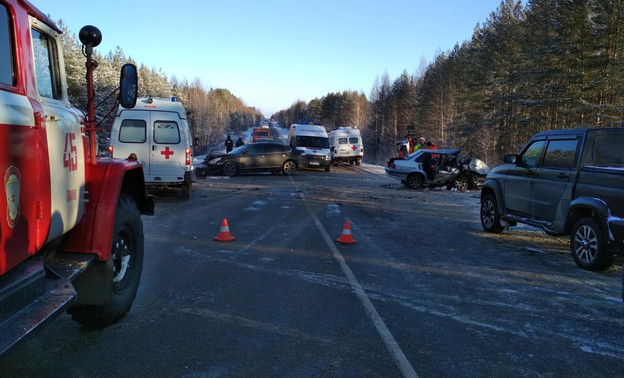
x,y
446,171
552,177
167,153
253,158
275,155
519,179
130,136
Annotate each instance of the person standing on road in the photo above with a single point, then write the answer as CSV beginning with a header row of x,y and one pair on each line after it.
x,y
229,144
239,142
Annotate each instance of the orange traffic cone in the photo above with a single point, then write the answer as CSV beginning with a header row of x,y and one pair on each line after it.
x,y
224,233
346,237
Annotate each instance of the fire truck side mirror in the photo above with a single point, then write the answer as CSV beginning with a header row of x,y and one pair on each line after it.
x,y
128,86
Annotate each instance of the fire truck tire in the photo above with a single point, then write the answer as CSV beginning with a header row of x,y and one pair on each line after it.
x,y
127,260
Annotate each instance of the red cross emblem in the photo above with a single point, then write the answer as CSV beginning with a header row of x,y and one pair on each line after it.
x,y
353,147
167,152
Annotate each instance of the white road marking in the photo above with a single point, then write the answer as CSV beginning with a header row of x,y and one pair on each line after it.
x,y
393,347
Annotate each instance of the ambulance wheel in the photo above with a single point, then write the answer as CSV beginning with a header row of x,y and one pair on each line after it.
x,y
327,169
126,262
358,162
229,168
186,190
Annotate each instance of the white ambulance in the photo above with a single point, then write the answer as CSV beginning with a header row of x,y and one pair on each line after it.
x,y
156,133
310,140
345,144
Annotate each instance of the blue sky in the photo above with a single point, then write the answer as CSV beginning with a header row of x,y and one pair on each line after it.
x,y
272,53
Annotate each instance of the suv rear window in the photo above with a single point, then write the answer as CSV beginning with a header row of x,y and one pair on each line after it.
x,y
608,151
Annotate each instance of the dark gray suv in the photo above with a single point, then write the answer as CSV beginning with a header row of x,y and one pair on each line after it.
x,y
566,182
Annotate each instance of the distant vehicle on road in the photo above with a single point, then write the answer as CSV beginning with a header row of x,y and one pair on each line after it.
x,y
345,144
260,132
311,142
251,157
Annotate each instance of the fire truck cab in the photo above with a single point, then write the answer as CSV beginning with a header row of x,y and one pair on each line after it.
x,y
71,235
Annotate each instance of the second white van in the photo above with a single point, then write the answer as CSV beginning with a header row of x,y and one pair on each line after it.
x,y
156,133
345,144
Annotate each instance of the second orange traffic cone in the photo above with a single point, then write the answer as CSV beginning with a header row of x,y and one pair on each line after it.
x,y
345,237
224,233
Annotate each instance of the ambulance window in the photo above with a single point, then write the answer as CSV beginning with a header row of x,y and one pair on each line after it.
x,y
353,140
132,131
166,132
46,65
6,49
342,140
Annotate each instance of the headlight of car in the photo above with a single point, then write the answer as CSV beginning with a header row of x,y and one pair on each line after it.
x,y
214,160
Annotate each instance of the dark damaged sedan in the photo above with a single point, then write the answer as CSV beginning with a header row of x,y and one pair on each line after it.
x,y
252,157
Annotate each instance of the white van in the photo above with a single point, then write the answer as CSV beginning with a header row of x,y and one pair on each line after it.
x,y
157,133
345,144
310,140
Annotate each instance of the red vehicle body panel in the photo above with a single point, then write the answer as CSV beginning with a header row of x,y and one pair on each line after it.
x,y
25,157
106,181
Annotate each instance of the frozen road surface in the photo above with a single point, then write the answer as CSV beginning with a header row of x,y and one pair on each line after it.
x,y
423,291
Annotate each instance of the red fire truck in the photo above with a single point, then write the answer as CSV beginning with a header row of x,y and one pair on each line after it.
x,y
71,235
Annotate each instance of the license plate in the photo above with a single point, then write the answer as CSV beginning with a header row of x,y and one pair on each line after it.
x,y
314,163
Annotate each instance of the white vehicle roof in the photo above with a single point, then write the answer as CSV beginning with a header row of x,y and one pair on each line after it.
x,y
307,129
159,103
345,130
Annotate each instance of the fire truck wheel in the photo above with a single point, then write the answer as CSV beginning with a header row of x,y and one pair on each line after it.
x,y
127,263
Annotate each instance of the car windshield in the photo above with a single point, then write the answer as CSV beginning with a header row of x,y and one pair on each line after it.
x,y
312,142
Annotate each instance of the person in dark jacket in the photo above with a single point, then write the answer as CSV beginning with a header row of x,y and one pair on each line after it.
x,y
239,142
229,144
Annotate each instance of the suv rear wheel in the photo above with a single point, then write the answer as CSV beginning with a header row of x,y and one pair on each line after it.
x,y
490,219
588,247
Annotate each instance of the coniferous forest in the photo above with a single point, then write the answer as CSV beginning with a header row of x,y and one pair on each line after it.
x,y
541,65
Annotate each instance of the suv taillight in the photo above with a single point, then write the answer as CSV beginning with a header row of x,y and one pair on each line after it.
x,y
110,151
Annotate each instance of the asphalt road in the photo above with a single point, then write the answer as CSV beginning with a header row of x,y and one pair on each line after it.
x,y
424,291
